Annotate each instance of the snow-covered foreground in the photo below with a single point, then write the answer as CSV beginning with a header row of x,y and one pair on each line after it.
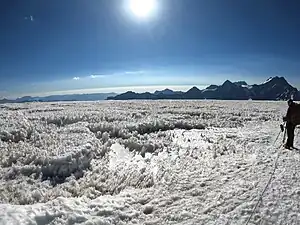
x,y
146,162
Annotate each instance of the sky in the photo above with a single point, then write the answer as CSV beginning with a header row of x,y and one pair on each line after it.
x,y
71,46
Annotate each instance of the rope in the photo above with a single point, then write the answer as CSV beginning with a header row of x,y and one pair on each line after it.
x,y
268,183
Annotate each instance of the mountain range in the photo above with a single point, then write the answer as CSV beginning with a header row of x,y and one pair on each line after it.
x,y
56,98
274,88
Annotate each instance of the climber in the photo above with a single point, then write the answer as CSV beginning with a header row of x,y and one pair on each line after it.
x,y
292,119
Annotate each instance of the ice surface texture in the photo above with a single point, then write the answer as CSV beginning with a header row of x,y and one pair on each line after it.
x,y
145,162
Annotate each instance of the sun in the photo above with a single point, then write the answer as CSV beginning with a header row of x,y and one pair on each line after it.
x,y
143,8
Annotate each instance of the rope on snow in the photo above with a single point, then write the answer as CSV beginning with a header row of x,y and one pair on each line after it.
x,y
268,183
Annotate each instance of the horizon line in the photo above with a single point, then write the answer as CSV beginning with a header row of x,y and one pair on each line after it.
x,y
107,90
115,90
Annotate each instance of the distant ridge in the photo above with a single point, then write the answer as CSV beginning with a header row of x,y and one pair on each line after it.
x,y
274,88
56,98
167,92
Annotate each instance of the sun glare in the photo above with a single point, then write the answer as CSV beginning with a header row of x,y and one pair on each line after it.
x,y
143,8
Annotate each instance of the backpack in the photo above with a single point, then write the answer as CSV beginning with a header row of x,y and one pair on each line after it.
x,y
295,114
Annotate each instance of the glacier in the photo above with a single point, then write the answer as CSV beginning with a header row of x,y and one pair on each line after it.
x,y
146,162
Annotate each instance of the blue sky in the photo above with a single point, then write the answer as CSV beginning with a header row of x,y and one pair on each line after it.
x,y
70,46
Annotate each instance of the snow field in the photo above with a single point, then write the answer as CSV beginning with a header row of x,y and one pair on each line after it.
x,y
145,162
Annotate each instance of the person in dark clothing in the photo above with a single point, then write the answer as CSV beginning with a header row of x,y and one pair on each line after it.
x,y
290,128
292,120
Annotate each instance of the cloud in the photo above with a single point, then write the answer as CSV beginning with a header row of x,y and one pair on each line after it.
x,y
96,76
116,74
134,72
29,18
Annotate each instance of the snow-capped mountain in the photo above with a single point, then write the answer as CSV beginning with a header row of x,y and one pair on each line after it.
x,y
274,88
241,83
230,90
267,80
